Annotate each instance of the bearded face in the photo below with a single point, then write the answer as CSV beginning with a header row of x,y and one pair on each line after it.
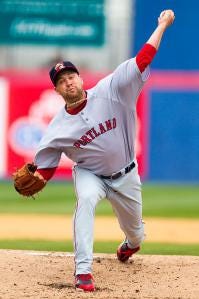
x,y
70,86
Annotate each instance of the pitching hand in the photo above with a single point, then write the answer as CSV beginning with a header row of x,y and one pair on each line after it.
x,y
166,18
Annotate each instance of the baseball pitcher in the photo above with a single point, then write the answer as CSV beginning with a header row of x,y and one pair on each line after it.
x,y
96,129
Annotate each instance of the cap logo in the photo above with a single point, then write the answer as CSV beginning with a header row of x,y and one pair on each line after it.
x,y
59,66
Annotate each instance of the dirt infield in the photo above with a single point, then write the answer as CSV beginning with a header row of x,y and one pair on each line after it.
x,y
26,274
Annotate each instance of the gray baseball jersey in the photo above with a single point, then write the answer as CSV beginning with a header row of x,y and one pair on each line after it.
x,y
101,137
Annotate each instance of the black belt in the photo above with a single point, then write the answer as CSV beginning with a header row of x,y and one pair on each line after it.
x,y
117,175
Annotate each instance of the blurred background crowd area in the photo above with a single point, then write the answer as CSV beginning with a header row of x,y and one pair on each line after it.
x,y
97,35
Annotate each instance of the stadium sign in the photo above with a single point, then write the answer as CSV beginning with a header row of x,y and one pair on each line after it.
x,y
61,22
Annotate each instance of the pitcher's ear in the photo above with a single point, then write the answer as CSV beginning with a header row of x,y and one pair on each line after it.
x,y
55,88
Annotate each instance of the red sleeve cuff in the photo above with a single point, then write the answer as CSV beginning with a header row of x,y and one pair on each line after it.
x,y
145,56
47,173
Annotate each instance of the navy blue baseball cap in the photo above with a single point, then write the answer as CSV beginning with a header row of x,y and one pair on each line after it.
x,y
60,67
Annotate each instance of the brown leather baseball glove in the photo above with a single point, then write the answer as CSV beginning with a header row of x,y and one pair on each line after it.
x,y
25,182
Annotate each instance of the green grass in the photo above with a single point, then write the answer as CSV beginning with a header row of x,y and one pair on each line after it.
x,y
179,201
105,247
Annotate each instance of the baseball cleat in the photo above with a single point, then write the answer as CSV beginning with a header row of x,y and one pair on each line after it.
x,y
124,252
84,282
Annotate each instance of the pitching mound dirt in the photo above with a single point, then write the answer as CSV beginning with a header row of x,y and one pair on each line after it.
x,y
25,274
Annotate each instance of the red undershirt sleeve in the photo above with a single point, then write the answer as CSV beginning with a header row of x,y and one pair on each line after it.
x,y
47,173
145,56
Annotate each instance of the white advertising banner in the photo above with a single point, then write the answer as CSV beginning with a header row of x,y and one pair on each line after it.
x,y
4,100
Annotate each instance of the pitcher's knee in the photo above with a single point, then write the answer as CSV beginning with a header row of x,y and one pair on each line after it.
x,y
88,197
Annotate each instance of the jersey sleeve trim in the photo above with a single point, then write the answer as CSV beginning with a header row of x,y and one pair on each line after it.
x,y
47,157
143,75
